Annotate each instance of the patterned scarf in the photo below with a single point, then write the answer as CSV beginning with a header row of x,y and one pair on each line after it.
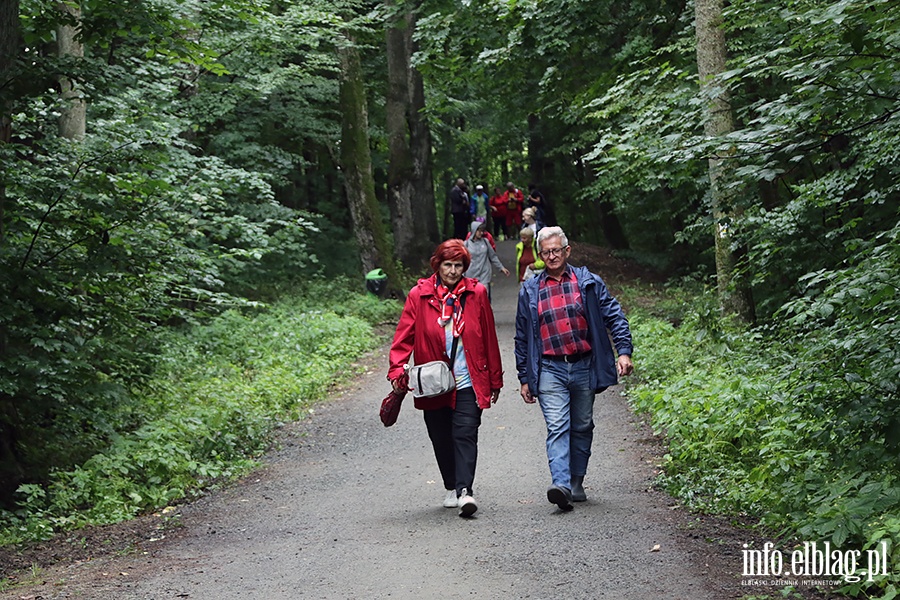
x,y
451,307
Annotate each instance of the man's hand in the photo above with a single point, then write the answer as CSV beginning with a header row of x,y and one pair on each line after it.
x,y
495,395
526,395
505,271
624,365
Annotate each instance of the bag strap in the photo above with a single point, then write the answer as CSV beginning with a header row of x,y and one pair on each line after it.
x,y
453,352
462,305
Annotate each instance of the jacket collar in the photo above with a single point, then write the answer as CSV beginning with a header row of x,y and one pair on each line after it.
x,y
582,274
426,289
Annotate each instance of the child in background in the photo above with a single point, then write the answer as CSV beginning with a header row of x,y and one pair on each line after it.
x,y
528,263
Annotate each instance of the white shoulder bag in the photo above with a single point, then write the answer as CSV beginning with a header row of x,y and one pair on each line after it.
x,y
436,377
433,378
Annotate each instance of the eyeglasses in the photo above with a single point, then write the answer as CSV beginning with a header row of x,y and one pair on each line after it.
x,y
551,252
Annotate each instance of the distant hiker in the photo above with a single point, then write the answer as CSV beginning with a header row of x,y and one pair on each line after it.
x,y
528,216
479,205
498,212
459,208
484,258
564,357
514,204
449,314
487,236
537,201
527,259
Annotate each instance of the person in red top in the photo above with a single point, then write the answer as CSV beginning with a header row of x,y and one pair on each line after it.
x,y
439,309
498,212
515,202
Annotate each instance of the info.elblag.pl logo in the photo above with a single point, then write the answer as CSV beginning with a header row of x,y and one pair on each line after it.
x,y
813,559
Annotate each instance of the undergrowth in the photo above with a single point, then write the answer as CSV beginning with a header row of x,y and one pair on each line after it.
x,y
796,423
209,409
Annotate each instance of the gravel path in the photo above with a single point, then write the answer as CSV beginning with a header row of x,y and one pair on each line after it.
x,y
347,509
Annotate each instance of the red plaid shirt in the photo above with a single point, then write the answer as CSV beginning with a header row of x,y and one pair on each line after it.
x,y
564,328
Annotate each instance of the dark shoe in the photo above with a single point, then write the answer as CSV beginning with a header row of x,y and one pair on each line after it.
x,y
561,497
578,494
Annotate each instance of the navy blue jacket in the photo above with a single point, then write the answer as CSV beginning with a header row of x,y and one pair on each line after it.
x,y
603,313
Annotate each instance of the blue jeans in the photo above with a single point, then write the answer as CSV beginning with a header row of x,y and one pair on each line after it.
x,y
567,401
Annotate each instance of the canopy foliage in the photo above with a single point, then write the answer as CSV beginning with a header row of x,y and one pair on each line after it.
x,y
210,176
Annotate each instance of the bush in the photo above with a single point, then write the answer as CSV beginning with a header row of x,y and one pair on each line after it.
x,y
796,423
208,410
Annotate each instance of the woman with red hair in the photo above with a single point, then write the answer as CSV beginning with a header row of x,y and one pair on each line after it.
x,y
439,310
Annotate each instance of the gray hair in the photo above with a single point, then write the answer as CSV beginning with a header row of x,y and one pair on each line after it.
x,y
549,232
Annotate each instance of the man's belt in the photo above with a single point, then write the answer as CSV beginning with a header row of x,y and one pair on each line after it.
x,y
569,358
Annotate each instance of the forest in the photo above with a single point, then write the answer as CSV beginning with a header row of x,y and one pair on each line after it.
x,y
192,191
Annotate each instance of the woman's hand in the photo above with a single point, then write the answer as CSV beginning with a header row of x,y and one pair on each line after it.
x,y
495,395
398,387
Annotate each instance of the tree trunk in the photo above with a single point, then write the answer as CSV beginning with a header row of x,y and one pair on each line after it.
x,y
410,186
448,176
613,233
733,297
420,145
73,120
540,167
11,471
10,46
357,167
611,226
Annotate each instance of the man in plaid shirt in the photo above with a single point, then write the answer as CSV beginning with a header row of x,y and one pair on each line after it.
x,y
564,321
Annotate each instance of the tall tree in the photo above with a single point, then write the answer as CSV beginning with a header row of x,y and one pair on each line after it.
x,y
420,141
711,57
9,50
10,45
410,186
73,119
356,160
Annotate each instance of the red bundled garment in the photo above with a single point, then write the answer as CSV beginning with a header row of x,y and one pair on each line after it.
x,y
390,406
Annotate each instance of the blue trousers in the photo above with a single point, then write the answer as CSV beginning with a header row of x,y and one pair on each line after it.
x,y
567,401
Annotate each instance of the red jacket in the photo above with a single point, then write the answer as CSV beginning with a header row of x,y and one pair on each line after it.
x,y
418,333
514,215
498,206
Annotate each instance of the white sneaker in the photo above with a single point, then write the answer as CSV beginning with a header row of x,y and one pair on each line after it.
x,y
467,506
451,501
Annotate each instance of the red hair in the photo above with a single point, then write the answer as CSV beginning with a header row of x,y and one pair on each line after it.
x,y
452,249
